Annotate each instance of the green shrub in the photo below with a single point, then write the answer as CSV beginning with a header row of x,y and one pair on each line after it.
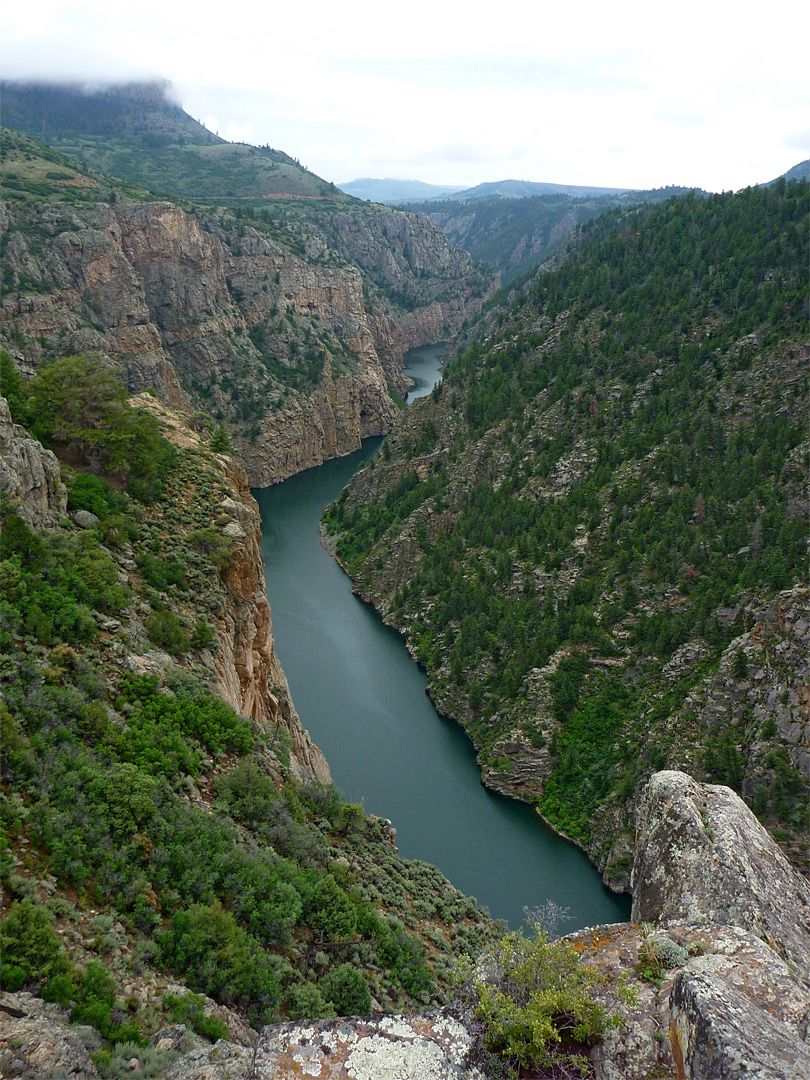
x,y
739,665
30,947
217,957
76,401
88,492
202,636
657,955
161,573
212,544
346,988
306,1002
166,630
95,1000
153,1064
534,1008
188,1009
329,911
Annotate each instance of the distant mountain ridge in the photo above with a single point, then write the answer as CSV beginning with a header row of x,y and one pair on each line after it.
x,y
798,172
522,189
400,191
396,191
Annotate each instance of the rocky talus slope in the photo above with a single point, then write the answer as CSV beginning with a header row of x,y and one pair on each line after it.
x,y
728,996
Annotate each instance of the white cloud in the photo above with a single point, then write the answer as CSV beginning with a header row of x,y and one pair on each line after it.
x,y
627,94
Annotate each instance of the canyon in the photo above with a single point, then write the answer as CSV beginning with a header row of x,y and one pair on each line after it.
x,y
291,334
283,329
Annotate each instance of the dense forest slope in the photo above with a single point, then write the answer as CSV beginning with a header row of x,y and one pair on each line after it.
x,y
513,234
248,317
594,533
172,848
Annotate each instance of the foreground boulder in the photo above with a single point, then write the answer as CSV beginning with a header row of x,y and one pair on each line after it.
x,y
735,1001
702,857
433,1047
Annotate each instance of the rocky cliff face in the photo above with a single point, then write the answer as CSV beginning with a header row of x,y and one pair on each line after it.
x,y
288,331
249,675
702,857
419,288
30,475
151,289
246,660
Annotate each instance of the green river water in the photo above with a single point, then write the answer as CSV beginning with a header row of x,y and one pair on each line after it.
x,y
363,700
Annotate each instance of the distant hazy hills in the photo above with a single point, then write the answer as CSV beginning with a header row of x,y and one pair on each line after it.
x,y
395,191
411,191
523,189
136,132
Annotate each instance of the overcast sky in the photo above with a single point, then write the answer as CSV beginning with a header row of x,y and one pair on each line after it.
x,y
700,93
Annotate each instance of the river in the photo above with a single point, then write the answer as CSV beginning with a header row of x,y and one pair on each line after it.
x,y
363,700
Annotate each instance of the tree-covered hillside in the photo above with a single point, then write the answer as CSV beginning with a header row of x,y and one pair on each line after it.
x,y
594,534
159,849
135,131
513,234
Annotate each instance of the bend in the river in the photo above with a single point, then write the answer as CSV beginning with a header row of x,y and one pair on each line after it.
x,y
363,700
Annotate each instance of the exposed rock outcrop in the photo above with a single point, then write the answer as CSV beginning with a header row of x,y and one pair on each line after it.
x,y
741,1013
432,1047
310,429
702,857
251,676
285,341
29,475
36,1042
709,879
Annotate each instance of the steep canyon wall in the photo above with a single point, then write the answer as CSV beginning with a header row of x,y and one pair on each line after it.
x,y
294,350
